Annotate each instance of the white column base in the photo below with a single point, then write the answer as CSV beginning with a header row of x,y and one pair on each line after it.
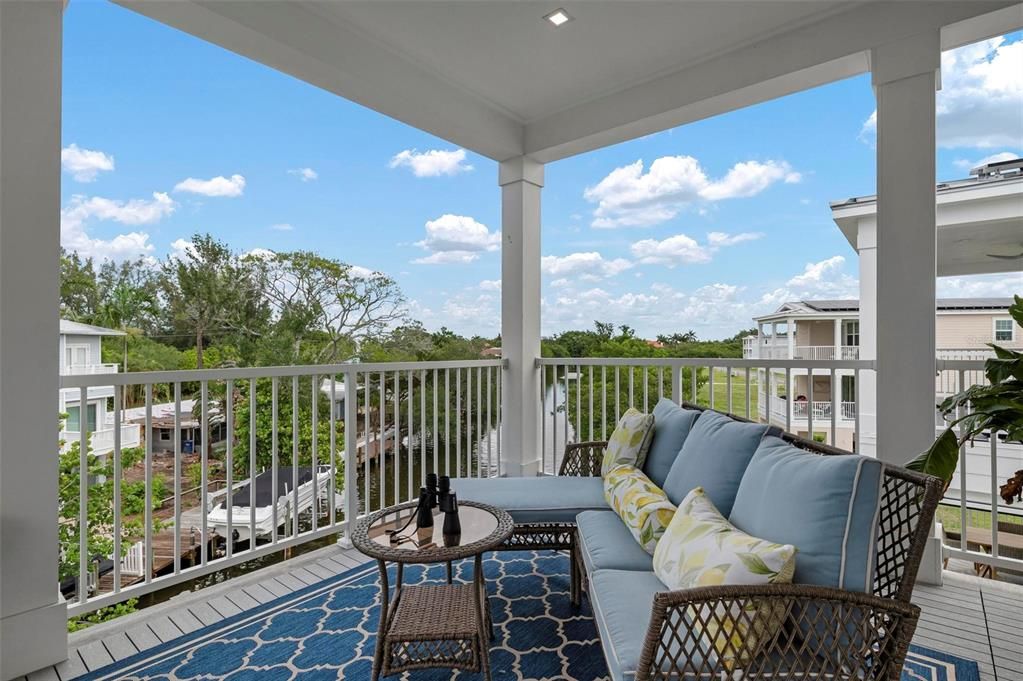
x,y
932,564
33,640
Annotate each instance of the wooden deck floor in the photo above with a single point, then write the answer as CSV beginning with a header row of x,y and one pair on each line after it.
x,y
968,616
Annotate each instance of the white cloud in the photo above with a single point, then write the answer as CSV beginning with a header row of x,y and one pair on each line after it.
x,y
722,239
981,286
304,174
283,227
180,248
217,186
967,164
84,164
432,163
630,197
980,104
456,239
675,250
490,285
587,266
360,272
825,279
84,209
682,249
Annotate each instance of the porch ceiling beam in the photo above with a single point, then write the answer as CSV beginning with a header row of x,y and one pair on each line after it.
x,y
294,38
833,48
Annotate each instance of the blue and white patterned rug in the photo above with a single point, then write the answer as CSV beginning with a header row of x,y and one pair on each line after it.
x,y
327,631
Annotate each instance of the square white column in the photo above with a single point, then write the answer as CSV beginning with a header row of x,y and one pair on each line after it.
x,y
521,181
33,617
904,76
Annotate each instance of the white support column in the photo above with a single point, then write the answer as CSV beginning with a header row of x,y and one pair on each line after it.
x,y
521,181
836,384
790,336
904,77
33,628
866,386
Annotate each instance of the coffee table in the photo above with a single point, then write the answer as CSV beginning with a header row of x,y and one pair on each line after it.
x,y
432,625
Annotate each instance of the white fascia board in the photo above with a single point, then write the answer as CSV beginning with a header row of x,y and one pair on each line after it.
x,y
833,48
294,39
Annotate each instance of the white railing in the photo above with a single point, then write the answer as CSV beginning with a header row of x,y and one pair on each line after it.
x,y
326,465
827,352
102,440
994,528
583,398
90,369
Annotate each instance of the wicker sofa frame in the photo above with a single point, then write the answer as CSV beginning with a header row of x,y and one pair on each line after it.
x,y
825,632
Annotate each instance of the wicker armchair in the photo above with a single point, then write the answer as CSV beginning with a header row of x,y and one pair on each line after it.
x,y
874,630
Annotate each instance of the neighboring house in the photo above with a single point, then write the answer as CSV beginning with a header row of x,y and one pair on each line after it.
x,y
81,353
189,424
830,329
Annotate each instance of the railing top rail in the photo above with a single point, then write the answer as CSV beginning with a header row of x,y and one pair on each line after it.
x,y
717,362
956,364
243,373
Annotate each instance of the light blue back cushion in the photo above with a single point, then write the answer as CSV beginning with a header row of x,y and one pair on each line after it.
x,y
714,457
671,427
826,506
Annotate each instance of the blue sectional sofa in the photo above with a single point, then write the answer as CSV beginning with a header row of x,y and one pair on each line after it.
x,y
860,527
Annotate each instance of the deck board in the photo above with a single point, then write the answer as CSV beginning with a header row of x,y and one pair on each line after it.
x,y
967,616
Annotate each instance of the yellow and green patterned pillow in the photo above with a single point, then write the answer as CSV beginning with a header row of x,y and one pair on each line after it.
x,y
630,441
701,548
642,505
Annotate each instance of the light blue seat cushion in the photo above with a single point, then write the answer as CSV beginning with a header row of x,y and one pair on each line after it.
x,y
543,499
671,426
605,543
714,457
826,506
622,602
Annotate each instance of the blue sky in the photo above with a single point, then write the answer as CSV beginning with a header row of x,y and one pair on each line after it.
x,y
165,135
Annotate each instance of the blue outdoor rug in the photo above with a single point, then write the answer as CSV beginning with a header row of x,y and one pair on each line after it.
x,y
327,632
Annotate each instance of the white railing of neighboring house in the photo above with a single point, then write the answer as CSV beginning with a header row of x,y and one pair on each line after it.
x,y
827,352
994,535
406,419
90,369
102,440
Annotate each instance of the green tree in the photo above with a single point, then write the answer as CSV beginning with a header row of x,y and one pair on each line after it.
x,y
211,293
78,290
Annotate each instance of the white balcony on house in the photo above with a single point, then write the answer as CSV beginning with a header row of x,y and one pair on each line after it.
x,y
90,369
616,71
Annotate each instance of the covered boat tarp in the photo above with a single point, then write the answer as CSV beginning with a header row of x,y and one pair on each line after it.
x,y
264,487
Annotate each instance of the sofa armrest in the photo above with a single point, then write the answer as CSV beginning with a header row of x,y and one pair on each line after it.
x,y
824,633
583,459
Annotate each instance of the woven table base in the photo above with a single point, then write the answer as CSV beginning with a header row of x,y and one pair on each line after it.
x,y
434,626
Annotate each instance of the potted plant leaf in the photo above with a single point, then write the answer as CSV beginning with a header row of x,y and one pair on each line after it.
x,y
993,408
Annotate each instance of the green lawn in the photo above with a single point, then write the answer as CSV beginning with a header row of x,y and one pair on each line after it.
x,y
949,517
738,392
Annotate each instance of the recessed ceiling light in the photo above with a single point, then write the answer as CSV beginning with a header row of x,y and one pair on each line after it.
x,y
558,17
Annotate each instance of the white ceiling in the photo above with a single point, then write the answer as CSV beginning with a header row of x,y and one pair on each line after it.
x,y
494,77
509,55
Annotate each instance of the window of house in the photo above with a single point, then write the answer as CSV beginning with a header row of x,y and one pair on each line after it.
x,y
76,355
851,333
74,419
1004,331
848,388
165,434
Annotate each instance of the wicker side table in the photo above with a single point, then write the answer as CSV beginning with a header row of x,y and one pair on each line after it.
x,y
434,625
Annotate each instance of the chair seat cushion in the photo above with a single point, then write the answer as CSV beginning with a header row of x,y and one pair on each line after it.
x,y
672,424
714,457
543,499
622,601
826,505
606,544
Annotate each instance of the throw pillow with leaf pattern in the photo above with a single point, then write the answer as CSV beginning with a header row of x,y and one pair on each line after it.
x,y
642,505
630,441
701,548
